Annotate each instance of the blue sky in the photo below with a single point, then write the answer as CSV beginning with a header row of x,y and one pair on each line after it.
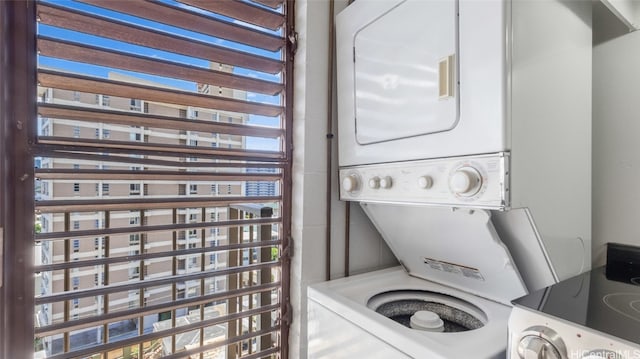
x,y
100,71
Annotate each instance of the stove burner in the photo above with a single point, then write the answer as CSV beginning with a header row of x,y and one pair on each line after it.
x,y
627,304
400,306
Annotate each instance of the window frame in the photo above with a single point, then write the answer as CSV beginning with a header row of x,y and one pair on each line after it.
x,y
18,134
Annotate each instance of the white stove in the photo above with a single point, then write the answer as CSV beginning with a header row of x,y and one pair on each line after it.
x,y
595,315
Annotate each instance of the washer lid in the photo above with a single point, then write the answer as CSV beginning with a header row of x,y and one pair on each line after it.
x,y
456,247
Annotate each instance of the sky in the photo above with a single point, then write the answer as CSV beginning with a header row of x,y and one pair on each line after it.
x,y
100,71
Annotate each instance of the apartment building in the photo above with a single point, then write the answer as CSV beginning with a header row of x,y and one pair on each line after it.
x,y
87,247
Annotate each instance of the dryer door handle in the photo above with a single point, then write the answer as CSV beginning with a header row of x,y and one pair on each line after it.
x,y
446,77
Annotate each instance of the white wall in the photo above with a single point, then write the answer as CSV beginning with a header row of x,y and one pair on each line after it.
x,y
616,143
309,224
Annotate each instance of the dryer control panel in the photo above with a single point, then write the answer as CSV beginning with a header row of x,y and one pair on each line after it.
x,y
471,181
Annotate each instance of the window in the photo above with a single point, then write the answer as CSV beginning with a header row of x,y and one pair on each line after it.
x,y
105,100
76,283
134,239
76,224
76,245
134,189
129,43
76,187
76,166
76,131
135,105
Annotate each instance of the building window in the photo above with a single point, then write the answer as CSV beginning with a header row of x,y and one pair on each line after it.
x,y
105,188
76,245
193,189
76,187
214,189
76,131
106,133
136,105
134,189
106,101
76,224
76,166
76,283
134,220
76,96
134,134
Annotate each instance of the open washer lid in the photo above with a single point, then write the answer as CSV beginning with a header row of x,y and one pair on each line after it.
x,y
456,247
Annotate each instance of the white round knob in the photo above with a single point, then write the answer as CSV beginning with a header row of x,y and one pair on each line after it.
x,y
540,342
466,181
350,183
425,182
537,347
374,182
426,320
386,182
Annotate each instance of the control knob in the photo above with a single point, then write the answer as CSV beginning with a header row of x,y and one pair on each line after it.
x,y
350,183
466,181
425,182
374,182
541,343
386,182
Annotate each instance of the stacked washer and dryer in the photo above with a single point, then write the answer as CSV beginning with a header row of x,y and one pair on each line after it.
x,y
465,135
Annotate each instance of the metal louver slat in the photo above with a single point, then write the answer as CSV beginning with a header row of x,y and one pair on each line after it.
x,y
71,154
118,30
72,82
132,313
67,174
147,256
150,203
171,15
151,283
147,120
242,11
104,57
274,4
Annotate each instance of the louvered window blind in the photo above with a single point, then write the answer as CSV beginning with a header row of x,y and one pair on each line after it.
x,y
162,178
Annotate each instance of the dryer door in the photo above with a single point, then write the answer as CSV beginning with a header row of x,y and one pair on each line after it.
x,y
405,72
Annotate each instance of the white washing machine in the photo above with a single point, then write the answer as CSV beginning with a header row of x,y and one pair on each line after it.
x,y
455,271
